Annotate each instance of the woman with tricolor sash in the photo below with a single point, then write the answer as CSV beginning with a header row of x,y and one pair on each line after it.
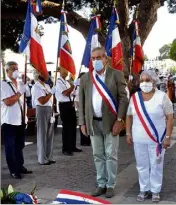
x,y
149,125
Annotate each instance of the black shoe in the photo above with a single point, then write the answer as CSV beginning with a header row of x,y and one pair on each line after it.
x,y
68,153
47,163
77,150
109,193
16,176
52,161
25,171
98,191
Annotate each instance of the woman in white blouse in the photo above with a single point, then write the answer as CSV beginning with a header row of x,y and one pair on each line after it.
x,y
149,127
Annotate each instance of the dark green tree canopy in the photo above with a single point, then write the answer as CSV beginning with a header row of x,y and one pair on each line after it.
x,y
172,53
164,52
13,14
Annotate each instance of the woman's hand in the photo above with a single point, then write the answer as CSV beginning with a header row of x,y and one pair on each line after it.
x,y
166,143
129,139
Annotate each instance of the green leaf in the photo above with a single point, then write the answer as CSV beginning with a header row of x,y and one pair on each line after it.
x,y
10,189
1,194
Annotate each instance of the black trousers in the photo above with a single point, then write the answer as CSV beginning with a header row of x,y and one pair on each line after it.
x,y
29,102
68,117
14,143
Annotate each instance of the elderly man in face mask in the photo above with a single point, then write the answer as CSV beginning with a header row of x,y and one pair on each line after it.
x,y
13,120
102,108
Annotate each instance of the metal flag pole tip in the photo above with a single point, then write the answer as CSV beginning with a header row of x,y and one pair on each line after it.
x,y
63,4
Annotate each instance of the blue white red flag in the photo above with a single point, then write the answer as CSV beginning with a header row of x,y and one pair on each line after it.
x,y
137,51
31,43
147,122
113,44
71,197
92,41
37,6
64,48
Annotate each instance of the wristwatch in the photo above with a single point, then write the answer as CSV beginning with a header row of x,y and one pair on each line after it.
x,y
167,137
120,120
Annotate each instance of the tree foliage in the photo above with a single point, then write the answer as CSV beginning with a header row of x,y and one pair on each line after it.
x,y
164,52
13,15
172,53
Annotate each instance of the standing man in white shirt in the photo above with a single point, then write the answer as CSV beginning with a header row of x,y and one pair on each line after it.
x,y
13,120
42,101
67,113
98,121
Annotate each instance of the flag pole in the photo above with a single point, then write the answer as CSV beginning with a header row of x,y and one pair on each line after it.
x,y
93,12
58,59
3,65
25,74
55,78
137,33
57,62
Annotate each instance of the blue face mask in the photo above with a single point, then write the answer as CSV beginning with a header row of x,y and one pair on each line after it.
x,y
98,65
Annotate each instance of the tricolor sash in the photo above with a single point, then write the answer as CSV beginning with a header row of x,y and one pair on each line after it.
x,y
104,92
143,117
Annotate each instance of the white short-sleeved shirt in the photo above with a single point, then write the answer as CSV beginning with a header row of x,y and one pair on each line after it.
x,y
157,107
38,90
11,114
76,90
97,99
61,86
28,91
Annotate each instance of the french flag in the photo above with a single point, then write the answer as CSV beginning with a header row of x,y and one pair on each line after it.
x,y
71,197
92,41
31,43
113,44
37,6
137,51
64,47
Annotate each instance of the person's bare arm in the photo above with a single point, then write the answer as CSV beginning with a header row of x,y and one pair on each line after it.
x,y
129,121
12,100
68,91
44,99
169,128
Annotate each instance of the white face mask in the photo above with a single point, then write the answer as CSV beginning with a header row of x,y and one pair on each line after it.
x,y
98,65
15,74
146,87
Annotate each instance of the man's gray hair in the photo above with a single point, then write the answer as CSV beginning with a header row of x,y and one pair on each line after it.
x,y
151,74
98,49
9,64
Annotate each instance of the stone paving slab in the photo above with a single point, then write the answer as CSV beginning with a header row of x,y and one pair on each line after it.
x,y
77,173
168,192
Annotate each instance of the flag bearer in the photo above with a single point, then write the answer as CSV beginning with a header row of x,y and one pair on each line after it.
x,y
42,101
67,113
13,120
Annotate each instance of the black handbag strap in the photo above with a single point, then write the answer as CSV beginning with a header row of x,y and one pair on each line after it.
x,y
66,87
22,114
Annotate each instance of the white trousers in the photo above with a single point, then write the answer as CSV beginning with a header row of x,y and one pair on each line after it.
x,y
150,171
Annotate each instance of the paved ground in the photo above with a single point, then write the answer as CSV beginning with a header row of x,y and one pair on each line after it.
x,y
77,173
